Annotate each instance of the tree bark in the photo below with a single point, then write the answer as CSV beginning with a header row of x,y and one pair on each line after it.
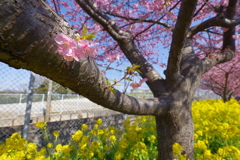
x,y
176,126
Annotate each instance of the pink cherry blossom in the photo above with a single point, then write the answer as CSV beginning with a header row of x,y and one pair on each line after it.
x,y
223,2
223,78
66,47
236,37
143,80
225,29
71,49
135,85
85,48
112,57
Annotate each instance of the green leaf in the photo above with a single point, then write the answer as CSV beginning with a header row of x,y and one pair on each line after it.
x,y
113,91
108,82
85,30
137,71
129,79
135,66
128,68
90,36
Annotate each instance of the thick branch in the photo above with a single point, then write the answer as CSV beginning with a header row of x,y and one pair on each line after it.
x,y
179,34
216,21
32,47
228,41
219,58
107,23
200,8
228,48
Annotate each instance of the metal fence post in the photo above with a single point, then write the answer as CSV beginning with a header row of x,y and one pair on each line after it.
x,y
20,101
61,109
28,106
49,98
43,97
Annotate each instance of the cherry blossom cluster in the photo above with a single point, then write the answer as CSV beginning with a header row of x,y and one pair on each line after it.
x,y
72,49
75,49
136,85
164,11
216,77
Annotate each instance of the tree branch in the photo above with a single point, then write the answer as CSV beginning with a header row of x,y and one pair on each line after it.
x,y
33,48
228,48
228,41
222,57
200,8
178,39
215,21
107,23
138,20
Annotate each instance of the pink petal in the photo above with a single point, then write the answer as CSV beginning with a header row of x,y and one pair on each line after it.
x,y
143,80
68,58
135,85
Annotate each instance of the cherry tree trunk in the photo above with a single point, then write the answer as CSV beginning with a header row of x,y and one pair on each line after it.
x,y
176,126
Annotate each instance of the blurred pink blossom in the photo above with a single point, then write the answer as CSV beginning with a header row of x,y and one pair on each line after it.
x,y
235,36
143,80
136,85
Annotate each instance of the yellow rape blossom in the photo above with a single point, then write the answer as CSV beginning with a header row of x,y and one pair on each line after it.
x,y
118,155
59,148
152,138
177,148
112,138
56,133
84,127
99,121
41,125
95,126
77,136
49,145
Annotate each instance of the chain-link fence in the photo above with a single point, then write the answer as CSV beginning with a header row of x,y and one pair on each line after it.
x,y
49,101
204,94
27,98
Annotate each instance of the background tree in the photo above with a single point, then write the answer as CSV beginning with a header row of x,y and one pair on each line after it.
x,y
57,88
42,88
224,79
130,30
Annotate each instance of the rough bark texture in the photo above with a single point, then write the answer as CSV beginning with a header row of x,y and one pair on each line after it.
x,y
27,31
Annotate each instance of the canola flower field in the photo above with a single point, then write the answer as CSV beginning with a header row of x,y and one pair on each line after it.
x,y
217,137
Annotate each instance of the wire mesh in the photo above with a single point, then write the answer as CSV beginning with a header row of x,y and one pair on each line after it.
x,y
66,108
65,105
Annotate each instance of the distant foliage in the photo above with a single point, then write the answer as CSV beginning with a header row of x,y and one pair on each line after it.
x,y
224,79
57,88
